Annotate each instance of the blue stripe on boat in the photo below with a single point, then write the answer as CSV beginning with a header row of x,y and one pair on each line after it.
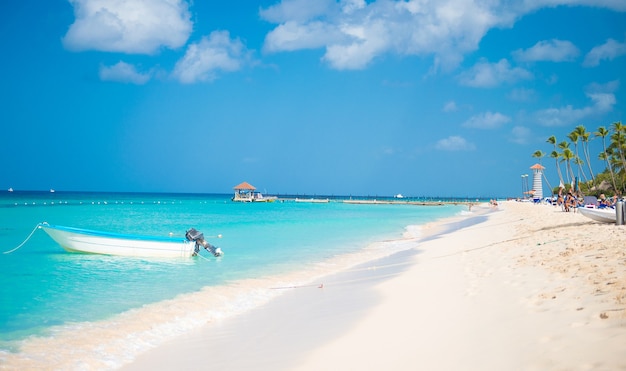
x,y
111,234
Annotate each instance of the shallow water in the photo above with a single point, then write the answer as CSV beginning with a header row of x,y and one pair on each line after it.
x,y
110,308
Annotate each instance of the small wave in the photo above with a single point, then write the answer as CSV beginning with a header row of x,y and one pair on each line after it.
x,y
111,343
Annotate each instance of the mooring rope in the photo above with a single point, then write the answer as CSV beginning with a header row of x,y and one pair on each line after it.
x,y
200,255
26,240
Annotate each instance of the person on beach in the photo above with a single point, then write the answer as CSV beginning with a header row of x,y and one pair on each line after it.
x,y
603,201
570,201
560,201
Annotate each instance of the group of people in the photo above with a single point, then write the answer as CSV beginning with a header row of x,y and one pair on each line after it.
x,y
567,202
607,202
570,200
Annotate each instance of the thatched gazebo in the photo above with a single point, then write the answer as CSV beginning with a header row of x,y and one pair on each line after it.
x,y
244,192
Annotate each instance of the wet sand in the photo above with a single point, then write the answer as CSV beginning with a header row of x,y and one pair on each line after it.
x,y
529,287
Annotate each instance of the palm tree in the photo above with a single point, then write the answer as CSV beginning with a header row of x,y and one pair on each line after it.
x,y
555,156
539,154
620,176
617,141
565,146
602,132
584,135
568,156
573,137
579,163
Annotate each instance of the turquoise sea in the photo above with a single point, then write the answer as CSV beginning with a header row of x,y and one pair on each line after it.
x,y
116,307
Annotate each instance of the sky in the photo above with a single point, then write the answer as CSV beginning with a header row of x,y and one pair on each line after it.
x,y
320,97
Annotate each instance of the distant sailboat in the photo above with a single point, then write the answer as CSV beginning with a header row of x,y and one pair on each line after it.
x,y
52,190
10,189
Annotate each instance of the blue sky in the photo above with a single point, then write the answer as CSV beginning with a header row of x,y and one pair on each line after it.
x,y
423,98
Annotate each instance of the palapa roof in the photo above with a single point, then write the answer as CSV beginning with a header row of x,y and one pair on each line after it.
x,y
244,185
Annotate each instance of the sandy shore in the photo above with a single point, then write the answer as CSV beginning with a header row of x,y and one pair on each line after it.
x,y
529,288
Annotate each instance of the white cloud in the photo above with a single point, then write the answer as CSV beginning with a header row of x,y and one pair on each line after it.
x,y
123,72
297,10
522,95
354,33
128,26
548,50
602,102
562,116
484,74
349,6
602,99
291,36
388,151
520,134
528,6
487,120
450,106
454,143
609,87
610,50
217,52
368,42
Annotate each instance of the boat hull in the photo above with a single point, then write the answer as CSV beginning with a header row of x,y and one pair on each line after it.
x,y
600,215
95,242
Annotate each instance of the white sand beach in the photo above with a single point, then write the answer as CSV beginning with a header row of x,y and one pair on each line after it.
x,y
530,288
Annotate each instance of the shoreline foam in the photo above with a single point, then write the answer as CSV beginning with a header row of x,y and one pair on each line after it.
x,y
524,290
108,344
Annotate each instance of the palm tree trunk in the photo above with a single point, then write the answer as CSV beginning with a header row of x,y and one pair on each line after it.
x,y
588,158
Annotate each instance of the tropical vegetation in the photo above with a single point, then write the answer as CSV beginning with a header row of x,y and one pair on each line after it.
x,y
574,153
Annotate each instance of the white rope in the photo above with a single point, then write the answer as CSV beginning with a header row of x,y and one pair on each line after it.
x,y
200,255
26,240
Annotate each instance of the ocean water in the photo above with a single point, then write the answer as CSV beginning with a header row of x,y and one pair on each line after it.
x,y
69,310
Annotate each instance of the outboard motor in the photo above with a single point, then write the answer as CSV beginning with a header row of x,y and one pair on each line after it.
x,y
198,237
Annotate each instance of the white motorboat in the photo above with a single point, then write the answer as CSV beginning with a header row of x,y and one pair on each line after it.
x,y
107,243
604,215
